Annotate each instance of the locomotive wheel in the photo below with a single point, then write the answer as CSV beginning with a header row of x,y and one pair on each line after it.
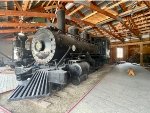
x,y
76,81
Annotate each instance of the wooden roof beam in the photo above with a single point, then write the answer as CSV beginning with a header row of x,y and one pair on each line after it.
x,y
104,12
25,25
129,18
130,43
147,3
99,31
17,30
77,9
93,25
85,22
50,7
18,5
123,6
36,9
132,23
70,18
73,8
113,27
26,14
25,5
49,3
30,4
46,15
44,2
88,16
80,13
116,4
111,34
6,5
106,8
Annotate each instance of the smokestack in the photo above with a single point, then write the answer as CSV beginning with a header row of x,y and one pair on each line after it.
x,y
61,19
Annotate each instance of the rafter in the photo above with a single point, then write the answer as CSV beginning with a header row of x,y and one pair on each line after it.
x,y
50,7
49,3
25,25
132,23
110,33
37,4
30,4
35,14
25,5
107,8
113,27
130,43
78,12
97,28
104,12
147,3
6,5
129,19
77,9
85,22
17,30
88,16
36,9
99,31
116,4
26,14
46,15
66,11
123,6
18,5
44,2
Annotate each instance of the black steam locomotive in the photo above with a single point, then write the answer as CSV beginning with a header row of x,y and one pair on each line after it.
x,y
57,58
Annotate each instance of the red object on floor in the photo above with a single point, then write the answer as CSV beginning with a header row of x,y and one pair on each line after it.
x,y
3,110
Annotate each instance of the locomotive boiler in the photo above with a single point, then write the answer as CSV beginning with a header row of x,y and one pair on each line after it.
x,y
59,58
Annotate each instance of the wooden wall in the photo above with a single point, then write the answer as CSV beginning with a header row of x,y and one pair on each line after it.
x,y
113,54
128,51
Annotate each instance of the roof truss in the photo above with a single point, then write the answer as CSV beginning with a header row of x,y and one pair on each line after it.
x,y
46,9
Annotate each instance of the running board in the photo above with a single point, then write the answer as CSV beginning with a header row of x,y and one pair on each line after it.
x,y
37,86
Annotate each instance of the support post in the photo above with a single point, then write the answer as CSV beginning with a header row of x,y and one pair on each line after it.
x,y
126,52
141,54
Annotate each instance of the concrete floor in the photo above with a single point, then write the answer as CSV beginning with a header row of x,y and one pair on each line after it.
x,y
118,93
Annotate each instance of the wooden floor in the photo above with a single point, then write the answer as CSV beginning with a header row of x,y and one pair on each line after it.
x,y
118,93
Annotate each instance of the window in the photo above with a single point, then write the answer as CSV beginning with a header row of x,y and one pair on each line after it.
x,y
119,52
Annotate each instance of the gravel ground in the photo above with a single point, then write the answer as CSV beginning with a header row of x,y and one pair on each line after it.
x,y
59,102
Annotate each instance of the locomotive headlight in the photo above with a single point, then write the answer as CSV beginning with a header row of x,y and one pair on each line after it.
x,y
39,46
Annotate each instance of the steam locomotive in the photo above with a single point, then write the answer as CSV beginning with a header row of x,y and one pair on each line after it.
x,y
56,59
